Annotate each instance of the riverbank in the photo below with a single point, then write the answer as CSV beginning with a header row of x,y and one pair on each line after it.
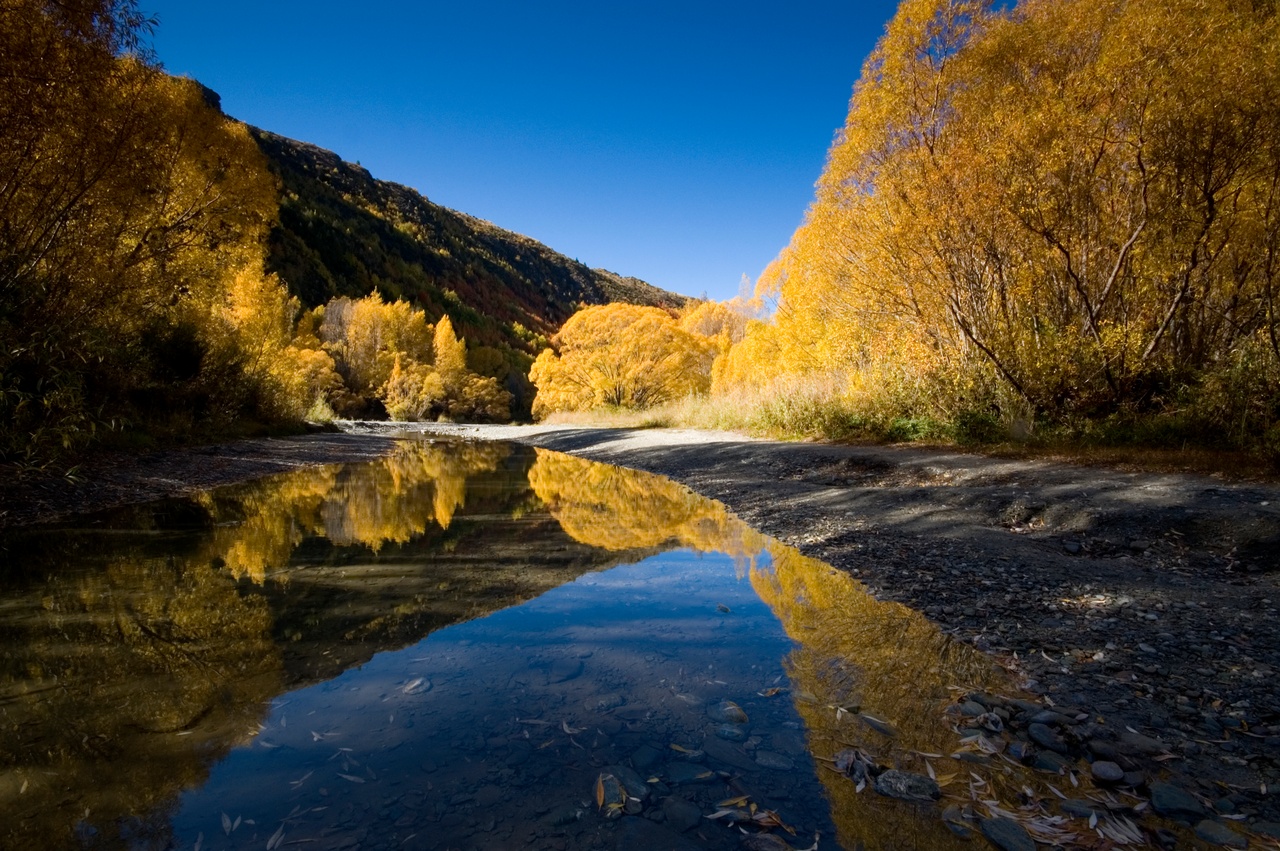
x,y
1148,600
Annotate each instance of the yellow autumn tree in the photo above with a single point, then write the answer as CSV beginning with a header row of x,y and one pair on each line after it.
x,y
620,355
1060,210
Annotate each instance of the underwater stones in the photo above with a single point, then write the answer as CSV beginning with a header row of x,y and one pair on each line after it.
x,y
1169,800
727,712
732,732
774,761
1007,835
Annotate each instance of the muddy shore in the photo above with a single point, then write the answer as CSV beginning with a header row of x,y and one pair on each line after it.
x,y
1146,600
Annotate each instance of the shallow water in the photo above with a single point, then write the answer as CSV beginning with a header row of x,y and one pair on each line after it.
x,y
461,646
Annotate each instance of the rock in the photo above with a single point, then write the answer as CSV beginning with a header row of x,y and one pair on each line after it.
x,y
1107,772
1220,834
1045,737
1007,835
727,712
764,842
1079,809
1049,717
1054,763
684,773
954,819
681,815
1103,750
1169,800
774,761
638,834
732,732
972,709
563,670
610,796
1267,828
1021,751
729,754
633,784
1139,545
646,756
907,786
565,814
1131,742
1073,547
604,702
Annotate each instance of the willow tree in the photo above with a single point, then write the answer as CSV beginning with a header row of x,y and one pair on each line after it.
x,y
1067,207
620,355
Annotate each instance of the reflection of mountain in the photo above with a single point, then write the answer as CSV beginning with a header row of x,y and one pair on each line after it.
x,y
133,656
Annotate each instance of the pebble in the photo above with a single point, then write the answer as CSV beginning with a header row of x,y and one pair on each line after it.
x,y
1045,737
727,712
775,761
732,732
907,786
1107,772
1138,743
1007,835
638,834
1220,834
681,815
1169,800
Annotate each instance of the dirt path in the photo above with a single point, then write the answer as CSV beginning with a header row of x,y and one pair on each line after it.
x,y
1148,600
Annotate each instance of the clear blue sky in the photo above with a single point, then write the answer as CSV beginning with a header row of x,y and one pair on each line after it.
x,y
674,141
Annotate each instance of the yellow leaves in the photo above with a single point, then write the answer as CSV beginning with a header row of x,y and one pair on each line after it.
x,y
623,356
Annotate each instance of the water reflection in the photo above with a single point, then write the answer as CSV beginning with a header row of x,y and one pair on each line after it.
x,y
425,652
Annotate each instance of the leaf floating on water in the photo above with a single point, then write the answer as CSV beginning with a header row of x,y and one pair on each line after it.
x,y
740,801
572,731
276,838
771,692
226,824
316,737
351,777
235,824
199,841
421,685
296,783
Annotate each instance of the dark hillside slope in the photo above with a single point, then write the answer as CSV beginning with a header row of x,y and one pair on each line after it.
x,y
343,233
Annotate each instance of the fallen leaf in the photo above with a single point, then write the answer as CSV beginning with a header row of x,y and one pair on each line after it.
x,y
226,824
351,777
276,838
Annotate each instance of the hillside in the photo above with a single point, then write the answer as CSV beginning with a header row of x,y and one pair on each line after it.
x,y
343,233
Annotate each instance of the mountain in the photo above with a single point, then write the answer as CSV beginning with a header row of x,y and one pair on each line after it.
x,y
344,233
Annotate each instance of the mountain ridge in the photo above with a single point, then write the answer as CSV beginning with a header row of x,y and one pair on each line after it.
x,y
343,232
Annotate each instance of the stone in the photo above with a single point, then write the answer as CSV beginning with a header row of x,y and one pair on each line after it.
x,y
1267,828
646,756
1007,835
1131,742
732,732
1169,800
1054,763
634,785
1107,772
774,761
1073,547
764,842
907,786
972,709
729,754
1103,750
1021,751
684,773
639,834
727,712
1219,834
563,670
1079,809
1045,737
681,815
954,819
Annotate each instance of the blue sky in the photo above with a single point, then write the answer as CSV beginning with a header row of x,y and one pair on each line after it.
x,y
677,142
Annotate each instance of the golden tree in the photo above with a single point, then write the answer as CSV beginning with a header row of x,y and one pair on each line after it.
x,y
620,355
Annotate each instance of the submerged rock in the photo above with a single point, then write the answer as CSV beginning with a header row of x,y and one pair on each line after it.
x,y
727,712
